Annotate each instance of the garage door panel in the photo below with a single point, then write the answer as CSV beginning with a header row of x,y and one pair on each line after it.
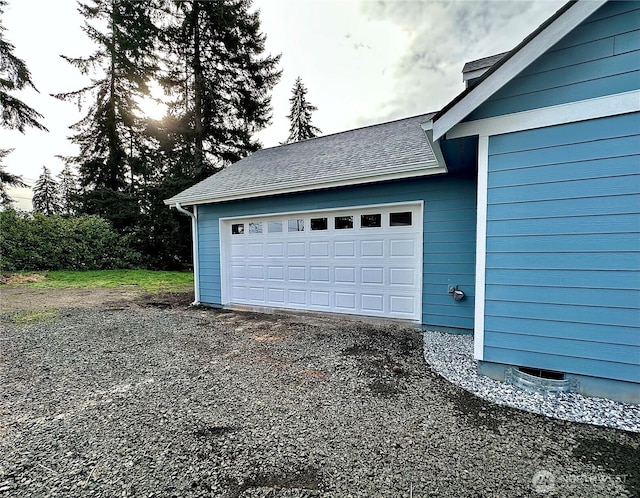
x,y
345,249
296,249
370,270
373,302
320,298
275,250
255,250
256,272
276,296
319,249
298,296
346,300
319,274
275,272
372,248
239,293
297,274
402,304
256,294
372,275
345,275
401,276
402,247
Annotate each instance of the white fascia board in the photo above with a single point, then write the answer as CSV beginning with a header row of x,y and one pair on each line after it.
x,y
513,66
470,75
610,105
481,248
422,169
434,144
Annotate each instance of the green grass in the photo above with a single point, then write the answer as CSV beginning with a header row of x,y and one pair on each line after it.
x,y
150,281
24,318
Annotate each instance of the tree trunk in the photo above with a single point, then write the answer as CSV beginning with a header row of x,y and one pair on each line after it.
x,y
197,91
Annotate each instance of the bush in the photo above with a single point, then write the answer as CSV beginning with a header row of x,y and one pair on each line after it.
x,y
37,242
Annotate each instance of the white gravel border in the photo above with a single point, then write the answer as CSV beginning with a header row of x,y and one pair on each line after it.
x,y
451,356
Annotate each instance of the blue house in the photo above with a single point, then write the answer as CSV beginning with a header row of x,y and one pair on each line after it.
x,y
514,212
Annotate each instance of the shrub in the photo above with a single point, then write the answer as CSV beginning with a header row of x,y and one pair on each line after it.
x,y
37,242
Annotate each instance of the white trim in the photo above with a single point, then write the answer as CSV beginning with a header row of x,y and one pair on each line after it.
x,y
434,144
476,73
582,110
420,170
224,284
326,210
513,66
196,256
481,247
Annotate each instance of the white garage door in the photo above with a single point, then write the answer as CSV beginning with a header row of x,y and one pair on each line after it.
x,y
364,261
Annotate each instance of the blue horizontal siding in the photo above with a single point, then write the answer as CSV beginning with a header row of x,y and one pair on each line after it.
x,y
565,261
542,191
584,206
620,353
562,288
600,57
564,172
449,236
593,279
609,298
567,330
564,243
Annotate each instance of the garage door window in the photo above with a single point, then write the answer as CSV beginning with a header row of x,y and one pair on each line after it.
x,y
255,227
275,226
400,219
319,223
296,225
371,220
237,228
343,222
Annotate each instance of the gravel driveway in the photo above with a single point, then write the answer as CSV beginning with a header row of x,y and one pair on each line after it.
x,y
145,401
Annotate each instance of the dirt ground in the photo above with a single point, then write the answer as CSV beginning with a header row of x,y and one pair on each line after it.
x,y
15,298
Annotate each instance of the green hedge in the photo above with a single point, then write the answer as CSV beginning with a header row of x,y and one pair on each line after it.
x,y
37,242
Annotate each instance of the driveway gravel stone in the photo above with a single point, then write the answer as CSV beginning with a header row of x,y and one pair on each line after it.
x,y
189,402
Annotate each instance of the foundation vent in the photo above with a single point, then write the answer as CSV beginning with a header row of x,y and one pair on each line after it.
x,y
541,381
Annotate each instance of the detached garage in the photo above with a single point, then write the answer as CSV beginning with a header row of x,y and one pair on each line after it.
x,y
365,222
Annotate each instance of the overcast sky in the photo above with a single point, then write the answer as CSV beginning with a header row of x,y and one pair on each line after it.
x,y
363,62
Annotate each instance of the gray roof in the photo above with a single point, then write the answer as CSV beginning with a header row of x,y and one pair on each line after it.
x,y
374,153
483,63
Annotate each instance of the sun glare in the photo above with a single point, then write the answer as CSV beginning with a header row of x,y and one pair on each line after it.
x,y
151,106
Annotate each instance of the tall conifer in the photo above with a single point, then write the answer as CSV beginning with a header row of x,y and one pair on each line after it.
x,y
300,115
46,199
221,80
14,75
110,135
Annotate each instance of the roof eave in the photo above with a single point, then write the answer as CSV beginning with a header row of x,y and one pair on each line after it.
x,y
415,170
532,47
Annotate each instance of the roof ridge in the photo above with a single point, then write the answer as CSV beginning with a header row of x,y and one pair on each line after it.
x,y
350,130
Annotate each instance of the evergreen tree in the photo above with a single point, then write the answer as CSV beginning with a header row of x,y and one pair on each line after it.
x,y
68,190
300,115
110,136
220,80
46,199
7,179
14,75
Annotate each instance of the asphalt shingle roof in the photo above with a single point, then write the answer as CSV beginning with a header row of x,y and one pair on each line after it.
x,y
355,156
483,63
